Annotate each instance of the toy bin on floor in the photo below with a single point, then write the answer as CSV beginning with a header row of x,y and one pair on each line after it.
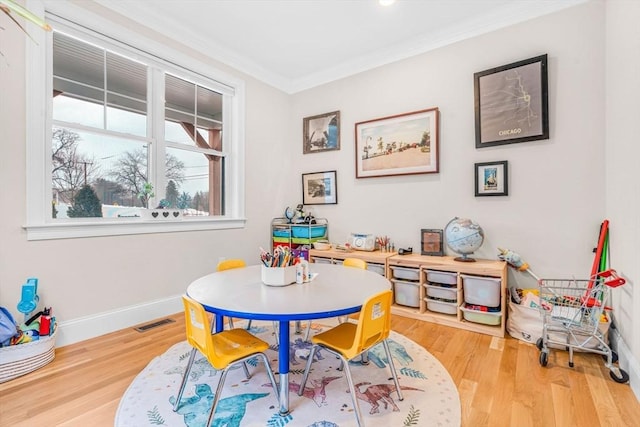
x,y
20,359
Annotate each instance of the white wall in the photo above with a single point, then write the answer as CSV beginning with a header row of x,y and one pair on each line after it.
x,y
622,184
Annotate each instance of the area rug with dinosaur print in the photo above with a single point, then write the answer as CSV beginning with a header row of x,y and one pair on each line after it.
x,y
430,396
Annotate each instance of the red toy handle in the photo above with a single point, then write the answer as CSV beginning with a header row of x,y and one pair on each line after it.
x,y
611,278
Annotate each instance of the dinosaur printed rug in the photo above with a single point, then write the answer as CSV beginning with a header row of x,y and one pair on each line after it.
x,y
430,396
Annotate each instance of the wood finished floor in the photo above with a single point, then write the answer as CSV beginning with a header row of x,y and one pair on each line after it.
x,y
499,380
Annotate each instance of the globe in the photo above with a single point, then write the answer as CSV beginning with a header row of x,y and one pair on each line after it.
x,y
464,237
289,213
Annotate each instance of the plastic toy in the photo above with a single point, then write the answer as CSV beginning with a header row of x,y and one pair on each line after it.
x,y
30,298
515,261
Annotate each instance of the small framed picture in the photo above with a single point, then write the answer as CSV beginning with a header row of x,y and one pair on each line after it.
x,y
321,132
319,188
492,179
511,103
431,242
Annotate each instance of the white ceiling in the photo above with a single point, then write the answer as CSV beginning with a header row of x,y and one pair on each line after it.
x,y
298,44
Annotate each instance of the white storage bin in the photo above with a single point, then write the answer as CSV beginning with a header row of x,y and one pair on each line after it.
x,y
376,268
481,290
441,306
406,293
406,273
322,260
443,277
450,294
485,317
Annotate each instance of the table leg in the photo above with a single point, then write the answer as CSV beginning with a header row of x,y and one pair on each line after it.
x,y
219,323
283,367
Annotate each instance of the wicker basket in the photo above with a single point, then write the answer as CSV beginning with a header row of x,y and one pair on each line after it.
x,y
18,360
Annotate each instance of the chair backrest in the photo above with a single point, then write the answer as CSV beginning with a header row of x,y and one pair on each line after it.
x,y
355,262
374,323
228,264
197,325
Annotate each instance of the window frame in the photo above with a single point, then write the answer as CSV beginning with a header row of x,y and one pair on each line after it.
x,y
89,26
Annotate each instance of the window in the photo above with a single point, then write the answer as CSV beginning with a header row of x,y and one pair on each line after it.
x,y
127,132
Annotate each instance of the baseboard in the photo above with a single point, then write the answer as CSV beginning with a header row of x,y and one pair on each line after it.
x,y
626,360
83,328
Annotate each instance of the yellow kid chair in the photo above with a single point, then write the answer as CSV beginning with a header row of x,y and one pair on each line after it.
x,y
223,350
348,340
355,262
347,262
228,264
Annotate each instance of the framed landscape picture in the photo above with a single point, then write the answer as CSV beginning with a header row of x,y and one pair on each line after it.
x,y
319,188
321,132
492,179
511,103
403,144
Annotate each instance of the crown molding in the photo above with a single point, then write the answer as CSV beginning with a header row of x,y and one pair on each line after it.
x,y
516,12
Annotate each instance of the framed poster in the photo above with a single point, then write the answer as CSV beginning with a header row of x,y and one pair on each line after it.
x,y
319,188
321,132
432,242
492,179
404,144
511,103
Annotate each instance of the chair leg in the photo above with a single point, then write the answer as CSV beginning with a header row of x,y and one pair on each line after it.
x,y
216,398
307,369
246,370
272,377
249,325
306,335
187,370
230,320
392,366
352,389
275,332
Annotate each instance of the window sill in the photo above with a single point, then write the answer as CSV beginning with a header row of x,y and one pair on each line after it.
x,y
74,230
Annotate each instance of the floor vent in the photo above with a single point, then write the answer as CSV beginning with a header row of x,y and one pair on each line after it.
x,y
148,326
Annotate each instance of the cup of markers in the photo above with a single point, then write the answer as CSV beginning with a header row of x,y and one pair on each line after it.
x,y
278,269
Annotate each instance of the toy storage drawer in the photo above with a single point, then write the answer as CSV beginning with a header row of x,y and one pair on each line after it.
x,y
307,232
281,232
322,260
442,292
376,268
443,277
481,290
406,293
406,273
441,306
484,317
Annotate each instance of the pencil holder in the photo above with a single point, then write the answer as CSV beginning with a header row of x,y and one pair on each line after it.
x,y
278,276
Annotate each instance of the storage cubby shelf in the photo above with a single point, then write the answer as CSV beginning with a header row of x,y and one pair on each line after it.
x,y
409,275
294,235
453,274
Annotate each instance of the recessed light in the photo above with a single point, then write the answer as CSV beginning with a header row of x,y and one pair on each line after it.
x,y
386,2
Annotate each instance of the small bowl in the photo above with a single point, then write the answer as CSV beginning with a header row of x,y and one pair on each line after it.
x,y
322,246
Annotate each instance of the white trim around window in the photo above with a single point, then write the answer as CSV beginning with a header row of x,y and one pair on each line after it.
x,y
39,226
